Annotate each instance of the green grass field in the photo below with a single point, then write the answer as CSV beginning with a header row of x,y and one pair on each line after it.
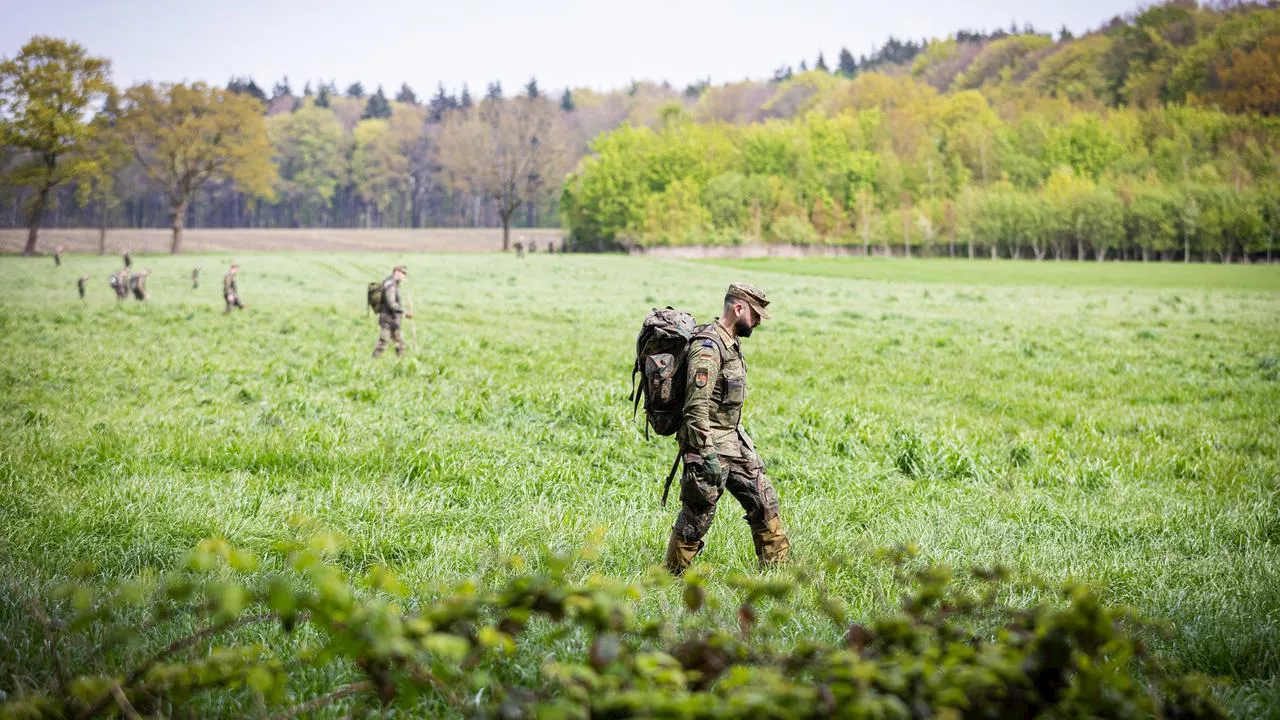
x,y
1118,425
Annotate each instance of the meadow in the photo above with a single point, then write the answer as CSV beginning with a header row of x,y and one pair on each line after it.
x,y
1117,425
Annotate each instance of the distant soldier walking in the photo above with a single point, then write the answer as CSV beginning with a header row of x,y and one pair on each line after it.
x,y
717,453
195,277
391,313
230,292
138,284
80,284
57,256
119,282
128,258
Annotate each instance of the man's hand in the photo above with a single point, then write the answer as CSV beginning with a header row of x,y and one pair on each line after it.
x,y
409,315
712,468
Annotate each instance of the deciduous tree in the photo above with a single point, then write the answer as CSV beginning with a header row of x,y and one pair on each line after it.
x,y
505,150
189,135
47,92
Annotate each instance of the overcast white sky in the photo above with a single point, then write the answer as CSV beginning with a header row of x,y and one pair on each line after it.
x,y
593,43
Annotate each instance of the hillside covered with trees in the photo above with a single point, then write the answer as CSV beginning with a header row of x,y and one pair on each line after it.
x,y
1152,136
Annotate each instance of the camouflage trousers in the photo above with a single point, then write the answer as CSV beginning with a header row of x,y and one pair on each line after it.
x,y
233,301
699,495
388,332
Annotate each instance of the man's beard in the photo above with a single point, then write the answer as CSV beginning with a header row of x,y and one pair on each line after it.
x,y
742,327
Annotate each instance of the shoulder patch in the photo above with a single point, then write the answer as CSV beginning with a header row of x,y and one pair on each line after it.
x,y
700,377
708,343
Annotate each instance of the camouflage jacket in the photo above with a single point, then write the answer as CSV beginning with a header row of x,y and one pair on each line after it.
x,y
391,308
229,285
714,396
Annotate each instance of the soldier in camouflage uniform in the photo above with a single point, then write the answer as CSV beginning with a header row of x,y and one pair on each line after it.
x,y
120,283
80,284
391,313
138,284
718,455
230,293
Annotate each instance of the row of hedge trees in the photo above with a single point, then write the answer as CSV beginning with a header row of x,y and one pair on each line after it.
x,y
1169,183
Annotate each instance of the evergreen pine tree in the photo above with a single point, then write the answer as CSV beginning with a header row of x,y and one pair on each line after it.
x,y
847,66
440,103
246,86
355,90
377,107
322,97
531,89
465,101
306,89
566,101
1065,34
406,95
281,88
821,64
494,91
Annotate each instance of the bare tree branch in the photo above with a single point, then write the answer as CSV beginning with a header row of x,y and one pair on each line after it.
x,y
317,703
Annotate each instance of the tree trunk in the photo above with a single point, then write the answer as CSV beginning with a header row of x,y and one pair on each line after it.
x,y
1186,248
995,249
969,242
506,230
906,235
33,222
1079,249
1040,251
1100,254
1146,254
179,219
102,231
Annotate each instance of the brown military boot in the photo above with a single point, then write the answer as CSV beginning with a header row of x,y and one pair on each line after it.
x,y
772,545
680,554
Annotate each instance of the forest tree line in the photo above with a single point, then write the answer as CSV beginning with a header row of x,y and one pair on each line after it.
x,y
1151,136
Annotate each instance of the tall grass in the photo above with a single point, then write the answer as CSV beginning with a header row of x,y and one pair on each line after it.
x,y
1122,436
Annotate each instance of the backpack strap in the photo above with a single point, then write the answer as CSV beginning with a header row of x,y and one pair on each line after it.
x,y
635,390
708,332
666,488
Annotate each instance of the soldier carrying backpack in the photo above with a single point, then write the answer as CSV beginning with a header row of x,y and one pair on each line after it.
x,y
230,290
694,385
384,298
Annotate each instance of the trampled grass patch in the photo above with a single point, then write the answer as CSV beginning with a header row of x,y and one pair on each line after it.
x,y
1124,436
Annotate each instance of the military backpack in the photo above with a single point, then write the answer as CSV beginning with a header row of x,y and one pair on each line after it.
x,y
660,362
375,296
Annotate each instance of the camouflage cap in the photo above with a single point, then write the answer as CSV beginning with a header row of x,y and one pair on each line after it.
x,y
754,296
